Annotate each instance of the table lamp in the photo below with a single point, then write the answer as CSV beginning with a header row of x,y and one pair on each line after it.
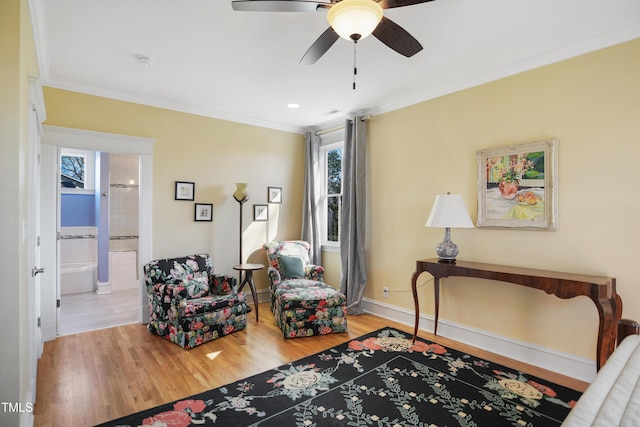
x,y
448,212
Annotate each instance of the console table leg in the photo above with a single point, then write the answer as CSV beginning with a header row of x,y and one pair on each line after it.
x,y
416,304
436,296
610,311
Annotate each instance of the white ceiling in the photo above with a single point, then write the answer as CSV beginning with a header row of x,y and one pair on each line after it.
x,y
243,66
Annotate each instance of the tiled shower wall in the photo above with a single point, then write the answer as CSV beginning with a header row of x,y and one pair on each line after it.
x,y
123,210
123,220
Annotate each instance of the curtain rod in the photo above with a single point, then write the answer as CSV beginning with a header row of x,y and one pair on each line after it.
x,y
337,128
326,131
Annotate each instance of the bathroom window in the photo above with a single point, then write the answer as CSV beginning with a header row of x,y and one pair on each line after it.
x,y
72,171
77,170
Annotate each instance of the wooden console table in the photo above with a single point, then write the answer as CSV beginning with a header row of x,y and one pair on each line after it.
x,y
601,290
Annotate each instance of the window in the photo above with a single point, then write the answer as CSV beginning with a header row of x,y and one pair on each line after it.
x,y
77,170
331,156
72,171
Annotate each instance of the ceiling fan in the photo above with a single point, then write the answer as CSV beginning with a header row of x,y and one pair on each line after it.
x,y
349,19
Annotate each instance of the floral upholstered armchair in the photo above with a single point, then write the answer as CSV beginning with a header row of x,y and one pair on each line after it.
x,y
190,305
302,304
289,259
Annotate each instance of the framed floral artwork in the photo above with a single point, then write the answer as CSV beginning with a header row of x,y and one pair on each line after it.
x,y
517,186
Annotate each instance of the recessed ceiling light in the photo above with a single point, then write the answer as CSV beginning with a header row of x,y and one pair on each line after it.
x,y
293,105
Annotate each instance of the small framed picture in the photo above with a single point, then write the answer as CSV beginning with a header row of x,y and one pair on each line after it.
x,y
204,212
185,190
274,194
260,212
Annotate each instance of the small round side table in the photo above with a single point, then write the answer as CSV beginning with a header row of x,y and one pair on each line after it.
x,y
248,270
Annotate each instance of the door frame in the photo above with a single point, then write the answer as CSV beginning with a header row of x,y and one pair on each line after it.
x,y
60,137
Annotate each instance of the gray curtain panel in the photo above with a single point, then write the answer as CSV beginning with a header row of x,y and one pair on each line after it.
x,y
352,229
310,204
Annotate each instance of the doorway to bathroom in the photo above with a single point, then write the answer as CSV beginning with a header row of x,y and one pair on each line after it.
x,y
108,229
98,251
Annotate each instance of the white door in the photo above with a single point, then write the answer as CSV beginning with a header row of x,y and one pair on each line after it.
x,y
32,235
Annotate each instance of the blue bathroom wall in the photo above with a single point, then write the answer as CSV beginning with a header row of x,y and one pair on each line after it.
x,y
77,210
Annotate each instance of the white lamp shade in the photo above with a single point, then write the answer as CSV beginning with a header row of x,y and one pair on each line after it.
x,y
448,211
350,17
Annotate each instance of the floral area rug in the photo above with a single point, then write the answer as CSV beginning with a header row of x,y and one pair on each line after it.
x,y
380,379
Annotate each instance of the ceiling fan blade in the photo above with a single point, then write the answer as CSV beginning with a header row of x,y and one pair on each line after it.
x,y
389,4
320,46
278,5
397,38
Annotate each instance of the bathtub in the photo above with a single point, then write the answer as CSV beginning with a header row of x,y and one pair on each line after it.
x,y
77,277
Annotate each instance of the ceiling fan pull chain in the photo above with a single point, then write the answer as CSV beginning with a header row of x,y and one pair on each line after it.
x,y
355,68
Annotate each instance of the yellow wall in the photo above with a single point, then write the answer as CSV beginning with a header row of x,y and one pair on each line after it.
x,y
591,104
215,154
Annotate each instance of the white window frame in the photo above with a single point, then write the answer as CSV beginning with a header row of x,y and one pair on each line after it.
x,y
324,150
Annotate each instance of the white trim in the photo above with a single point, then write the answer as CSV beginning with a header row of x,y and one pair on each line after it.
x,y
36,99
145,229
330,247
39,27
103,288
552,360
97,141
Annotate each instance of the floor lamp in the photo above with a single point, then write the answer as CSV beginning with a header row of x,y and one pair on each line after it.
x,y
241,196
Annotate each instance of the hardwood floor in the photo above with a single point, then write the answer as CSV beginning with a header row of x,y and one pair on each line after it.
x,y
92,377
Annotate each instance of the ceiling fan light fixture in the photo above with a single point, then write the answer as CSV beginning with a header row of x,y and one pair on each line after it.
x,y
355,17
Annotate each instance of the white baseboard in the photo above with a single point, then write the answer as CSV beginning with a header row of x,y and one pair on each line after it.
x,y
103,288
552,360
264,295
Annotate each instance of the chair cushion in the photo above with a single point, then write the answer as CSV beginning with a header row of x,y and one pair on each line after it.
x,y
310,297
196,287
198,306
291,267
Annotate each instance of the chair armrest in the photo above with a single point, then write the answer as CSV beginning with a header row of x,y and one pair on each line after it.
x,y
314,272
223,285
274,276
